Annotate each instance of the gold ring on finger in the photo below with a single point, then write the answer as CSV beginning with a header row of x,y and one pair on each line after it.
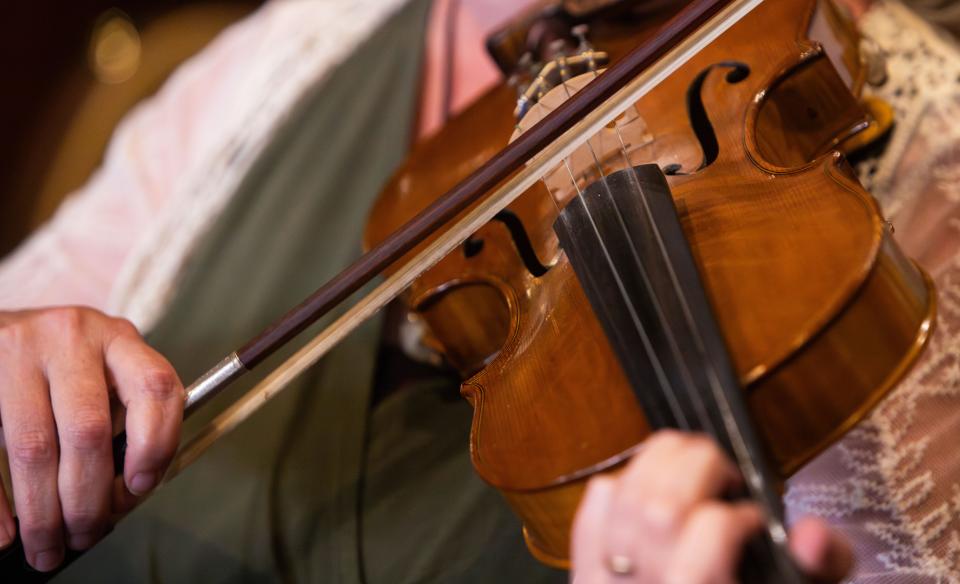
x,y
620,565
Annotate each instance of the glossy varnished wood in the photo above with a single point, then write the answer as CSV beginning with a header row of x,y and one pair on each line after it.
x,y
821,312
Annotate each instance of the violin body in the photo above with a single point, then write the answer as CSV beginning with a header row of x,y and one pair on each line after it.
x,y
821,312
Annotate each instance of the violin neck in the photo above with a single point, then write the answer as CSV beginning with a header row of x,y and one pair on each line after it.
x,y
625,242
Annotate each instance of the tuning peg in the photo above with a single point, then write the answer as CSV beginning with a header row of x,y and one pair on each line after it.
x,y
580,32
557,48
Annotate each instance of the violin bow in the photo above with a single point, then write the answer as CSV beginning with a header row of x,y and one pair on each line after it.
x,y
556,136
543,146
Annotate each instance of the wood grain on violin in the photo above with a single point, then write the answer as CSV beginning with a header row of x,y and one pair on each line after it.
x,y
821,312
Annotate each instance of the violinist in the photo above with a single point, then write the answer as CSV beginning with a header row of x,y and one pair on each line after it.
x,y
205,203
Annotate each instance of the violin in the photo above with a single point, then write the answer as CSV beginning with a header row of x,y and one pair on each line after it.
x,y
672,242
751,223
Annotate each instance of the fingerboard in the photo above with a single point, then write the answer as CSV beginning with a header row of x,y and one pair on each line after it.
x,y
623,237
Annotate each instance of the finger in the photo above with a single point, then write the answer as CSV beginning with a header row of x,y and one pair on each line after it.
x,y
153,396
81,407
668,477
8,529
819,551
588,548
30,436
712,542
683,468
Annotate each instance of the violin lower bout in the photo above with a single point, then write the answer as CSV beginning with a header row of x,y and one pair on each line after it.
x,y
801,406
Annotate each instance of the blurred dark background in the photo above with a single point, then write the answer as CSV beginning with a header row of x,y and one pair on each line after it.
x,y
72,70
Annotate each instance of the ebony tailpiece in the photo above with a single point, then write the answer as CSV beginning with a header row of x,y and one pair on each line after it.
x,y
624,239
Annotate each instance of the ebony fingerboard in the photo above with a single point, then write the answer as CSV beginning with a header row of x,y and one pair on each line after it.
x,y
626,244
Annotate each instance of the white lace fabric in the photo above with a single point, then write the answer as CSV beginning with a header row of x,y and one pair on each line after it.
x,y
892,485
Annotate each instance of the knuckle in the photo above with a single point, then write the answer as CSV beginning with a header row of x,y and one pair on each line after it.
x,y
14,337
83,521
31,448
160,384
89,430
597,485
706,449
125,327
38,530
67,320
718,518
662,513
152,444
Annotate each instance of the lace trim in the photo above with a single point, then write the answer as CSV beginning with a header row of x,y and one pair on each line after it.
x,y
893,484
888,483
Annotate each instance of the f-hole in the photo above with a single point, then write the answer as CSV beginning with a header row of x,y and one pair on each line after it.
x,y
521,241
700,121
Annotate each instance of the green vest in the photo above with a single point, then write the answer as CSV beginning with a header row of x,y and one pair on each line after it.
x,y
317,486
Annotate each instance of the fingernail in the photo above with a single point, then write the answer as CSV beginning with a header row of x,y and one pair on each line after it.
x,y
142,483
48,560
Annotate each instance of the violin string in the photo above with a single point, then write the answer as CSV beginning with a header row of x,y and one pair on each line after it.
x,y
733,432
670,393
706,423
564,76
550,195
694,396
679,413
573,180
661,375
736,439
734,436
